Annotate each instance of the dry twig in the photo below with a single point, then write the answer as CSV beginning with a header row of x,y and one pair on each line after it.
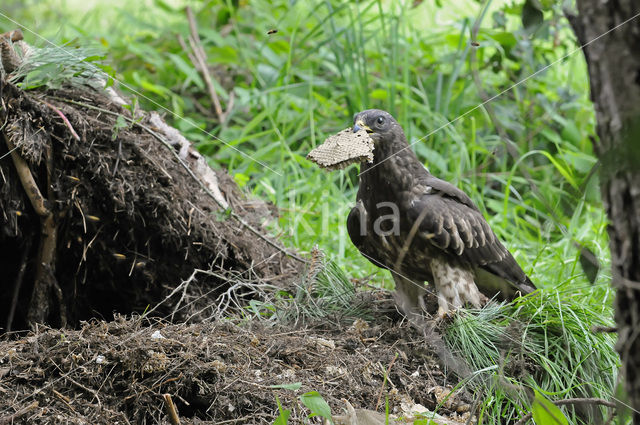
x,y
199,60
12,418
18,283
46,255
386,377
171,410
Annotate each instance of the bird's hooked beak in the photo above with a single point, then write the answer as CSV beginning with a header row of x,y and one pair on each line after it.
x,y
360,125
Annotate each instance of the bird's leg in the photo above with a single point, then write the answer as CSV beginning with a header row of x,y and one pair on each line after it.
x,y
443,313
455,286
409,296
448,297
410,299
469,290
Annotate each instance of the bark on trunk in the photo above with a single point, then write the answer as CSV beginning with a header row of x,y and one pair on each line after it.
x,y
614,72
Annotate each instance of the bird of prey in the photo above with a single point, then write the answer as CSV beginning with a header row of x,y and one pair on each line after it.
x,y
419,227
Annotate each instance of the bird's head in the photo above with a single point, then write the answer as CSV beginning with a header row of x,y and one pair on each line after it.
x,y
380,126
372,130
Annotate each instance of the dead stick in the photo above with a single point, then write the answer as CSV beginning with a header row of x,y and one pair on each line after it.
x,y
78,384
50,238
603,329
27,180
12,418
46,252
64,119
386,377
230,103
65,400
171,409
153,387
201,65
186,50
599,401
84,387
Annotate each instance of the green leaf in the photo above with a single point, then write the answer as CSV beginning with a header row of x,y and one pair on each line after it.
x,y
294,387
318,406
41,76
151,87
120,124
506,39
241,179
188,70
546,4
379,94
531,16
261,308
565,171
225,54
283,417
546,413
163,5
223,215
571,133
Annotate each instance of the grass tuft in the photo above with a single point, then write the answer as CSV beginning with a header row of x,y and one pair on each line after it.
x,y
540,342
52,67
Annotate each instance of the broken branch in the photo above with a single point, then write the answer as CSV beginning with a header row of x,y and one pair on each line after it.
x,y
171,410
199,60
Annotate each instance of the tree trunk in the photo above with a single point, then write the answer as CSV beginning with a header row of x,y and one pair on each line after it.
x,y
614,72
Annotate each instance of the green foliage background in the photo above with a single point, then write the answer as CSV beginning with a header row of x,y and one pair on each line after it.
x,y
330,59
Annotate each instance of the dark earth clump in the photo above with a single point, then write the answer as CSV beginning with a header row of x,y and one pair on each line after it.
x,y
115,218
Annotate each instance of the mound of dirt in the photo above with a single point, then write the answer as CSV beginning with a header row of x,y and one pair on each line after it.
x,y
103,209
117,372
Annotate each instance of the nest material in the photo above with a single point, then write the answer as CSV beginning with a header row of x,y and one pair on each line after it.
x,y
97,216
342,149
117,372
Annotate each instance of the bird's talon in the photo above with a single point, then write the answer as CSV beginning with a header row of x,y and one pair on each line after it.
x,y
445,316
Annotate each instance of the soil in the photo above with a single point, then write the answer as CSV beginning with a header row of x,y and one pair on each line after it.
x,y
221,372
125,218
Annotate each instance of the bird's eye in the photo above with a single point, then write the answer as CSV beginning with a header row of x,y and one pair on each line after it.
x,y
380,121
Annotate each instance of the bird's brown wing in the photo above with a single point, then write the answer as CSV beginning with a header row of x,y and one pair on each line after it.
x,y
445,217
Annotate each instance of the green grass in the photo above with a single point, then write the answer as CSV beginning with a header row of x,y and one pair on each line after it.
x,y
330,59
323,294
543,342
